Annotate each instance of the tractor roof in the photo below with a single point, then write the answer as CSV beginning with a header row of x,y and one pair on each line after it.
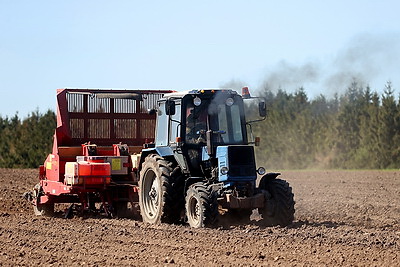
x,y
199,92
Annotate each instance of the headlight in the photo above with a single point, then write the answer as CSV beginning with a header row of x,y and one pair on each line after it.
x,y
261,171
224,170
197,101
229,102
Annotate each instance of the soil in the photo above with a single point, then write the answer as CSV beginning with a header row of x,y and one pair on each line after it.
x,y
342,218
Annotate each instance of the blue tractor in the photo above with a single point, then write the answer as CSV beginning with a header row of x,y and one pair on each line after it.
x,y
202,163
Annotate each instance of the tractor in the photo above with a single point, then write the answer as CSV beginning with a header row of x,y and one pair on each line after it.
x,y
202,162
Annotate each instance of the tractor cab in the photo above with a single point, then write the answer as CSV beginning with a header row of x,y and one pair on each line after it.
x,y
221,114
205,131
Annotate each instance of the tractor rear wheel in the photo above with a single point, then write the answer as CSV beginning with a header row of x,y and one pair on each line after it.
x,y
158,196
201,206
279,206
39,209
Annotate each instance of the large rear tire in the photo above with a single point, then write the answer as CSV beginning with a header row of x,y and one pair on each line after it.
x,y
158,196
201,206
279,206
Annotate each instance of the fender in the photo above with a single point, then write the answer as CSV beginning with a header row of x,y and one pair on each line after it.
x,y
191,180
267,177
271,175
162,151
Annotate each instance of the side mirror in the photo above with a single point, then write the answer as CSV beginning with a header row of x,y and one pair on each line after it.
x,y
170,107
262,109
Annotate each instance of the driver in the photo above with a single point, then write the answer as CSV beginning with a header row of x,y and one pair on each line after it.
x,y
196,125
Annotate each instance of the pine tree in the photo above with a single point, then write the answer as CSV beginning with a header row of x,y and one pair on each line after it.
x,y
348,127
387,129
367,155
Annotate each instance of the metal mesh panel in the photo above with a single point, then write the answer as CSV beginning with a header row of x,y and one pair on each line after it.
x,y
149,102
77,127
99,128
109,120
98,105
125,128
75,102
124,106
147,128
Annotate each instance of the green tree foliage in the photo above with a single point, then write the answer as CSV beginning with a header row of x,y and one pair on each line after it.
x,y
388,129
358,129
26,143
367,154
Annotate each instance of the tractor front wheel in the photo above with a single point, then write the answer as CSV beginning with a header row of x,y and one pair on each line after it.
x,y
201,206
279,205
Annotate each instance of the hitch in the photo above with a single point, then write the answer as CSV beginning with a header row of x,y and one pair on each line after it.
x,y
232,202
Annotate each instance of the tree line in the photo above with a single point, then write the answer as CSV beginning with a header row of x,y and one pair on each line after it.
x,y
359,129
25,143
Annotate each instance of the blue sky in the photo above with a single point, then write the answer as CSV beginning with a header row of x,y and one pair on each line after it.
x,y
181,45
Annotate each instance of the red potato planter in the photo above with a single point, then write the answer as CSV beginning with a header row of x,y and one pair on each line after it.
x,y
98,134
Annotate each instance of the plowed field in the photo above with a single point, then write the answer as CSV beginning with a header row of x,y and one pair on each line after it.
x,y
342,218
